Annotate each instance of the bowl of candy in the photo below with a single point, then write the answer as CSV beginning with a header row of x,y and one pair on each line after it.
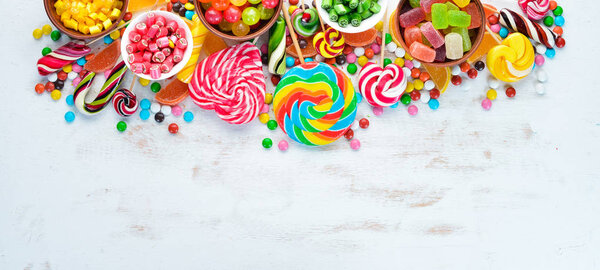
x,y
440,32
239,19
83,19
351,16
156,45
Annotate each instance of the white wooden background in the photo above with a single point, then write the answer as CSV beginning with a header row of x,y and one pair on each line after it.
x,y
457,188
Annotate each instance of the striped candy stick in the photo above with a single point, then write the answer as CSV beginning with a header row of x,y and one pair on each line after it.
x,y
199,32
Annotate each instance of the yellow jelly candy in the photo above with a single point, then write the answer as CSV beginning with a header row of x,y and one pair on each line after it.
x,y
491,94
363,60
268,98
55,95
263,118
144,82
37,33
47,29
418,84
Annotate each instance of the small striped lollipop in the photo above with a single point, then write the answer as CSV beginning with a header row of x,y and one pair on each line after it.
x,y
315,103
329,43
125,102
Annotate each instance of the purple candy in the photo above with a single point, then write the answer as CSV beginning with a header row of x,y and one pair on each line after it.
x,y
412,17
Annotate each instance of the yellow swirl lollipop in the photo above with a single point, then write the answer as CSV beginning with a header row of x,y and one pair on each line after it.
x,y
512,60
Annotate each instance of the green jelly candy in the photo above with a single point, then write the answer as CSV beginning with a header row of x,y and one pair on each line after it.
x,y
121,126
558,11
439,16
352,68
267,143
464,33
155,87
415,3
386,62
548,21
405,99
55,35
452,6
46,51
272,124
388,38
459,18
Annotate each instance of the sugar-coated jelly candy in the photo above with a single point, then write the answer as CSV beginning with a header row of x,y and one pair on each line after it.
x,y
440,53
454,46
412,34
414,3
459,18
426,4
464,34
462,3
411,17
472,10
420,51
439,16
452,6
433,36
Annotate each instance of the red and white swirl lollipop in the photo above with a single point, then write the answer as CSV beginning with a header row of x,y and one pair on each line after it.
x,y
382,87
535,9
231,83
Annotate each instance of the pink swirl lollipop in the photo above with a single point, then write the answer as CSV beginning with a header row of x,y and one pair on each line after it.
x,y
382,87
535,9
231,83
62,56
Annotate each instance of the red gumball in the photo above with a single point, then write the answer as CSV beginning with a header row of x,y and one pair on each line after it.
x,y
270,3
363,123
220,5
213,16
349,134
293,2
232,14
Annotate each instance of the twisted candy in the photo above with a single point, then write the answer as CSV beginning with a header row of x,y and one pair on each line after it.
x,y
512,60
125,102
314,103
535,9
309,28
231,82
199,32
62,56
533,30
382,87
106,93
330,43
277,47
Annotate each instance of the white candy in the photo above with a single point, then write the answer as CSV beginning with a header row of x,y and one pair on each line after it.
x,y
456,70
541,76
52,77
360,51
72,75
416,64
155,107
425,97
493,83
540,88
406,71
391,47
429,85
355,125
166,110
400,52
540,48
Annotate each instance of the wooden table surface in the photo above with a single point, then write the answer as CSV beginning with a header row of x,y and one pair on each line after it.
x,y
458,188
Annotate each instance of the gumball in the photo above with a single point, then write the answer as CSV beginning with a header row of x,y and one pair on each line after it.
x,y
363,123
39,88
254,2
213,16
250,16
225,26
434,93
206,5
173,128
220,5
265,13
349,134
464,67
267,143
293,2
240,29
456,80
472,73
510,92
415,95
232,14
270,4
237,3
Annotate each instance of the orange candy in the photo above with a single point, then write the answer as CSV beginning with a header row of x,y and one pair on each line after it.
x,y
464,67
415,73
174,93
39,88
369,53
558,30
553,5
424,76
89,56
330,61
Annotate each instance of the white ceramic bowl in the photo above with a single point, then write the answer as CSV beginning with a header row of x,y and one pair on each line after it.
x,y
170,17
364,25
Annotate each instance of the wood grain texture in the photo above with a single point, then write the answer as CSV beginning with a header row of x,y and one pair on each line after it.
x,y
456,188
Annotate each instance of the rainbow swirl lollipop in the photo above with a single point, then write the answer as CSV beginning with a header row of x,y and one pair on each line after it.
x,y
314,103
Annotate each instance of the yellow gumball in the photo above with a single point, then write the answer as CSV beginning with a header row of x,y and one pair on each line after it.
x,y
292,8
238,3
492,94
46,29
363,60
409,87
144,82
399,61
37,33
55,95
268,98
379,26
115,35
263,118
68,68
418,84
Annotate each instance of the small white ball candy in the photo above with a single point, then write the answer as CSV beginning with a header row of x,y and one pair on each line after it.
x,y
52,77
166,110
493,83
541,76
456,70
540,88
155,107
416,64
429,85
391,47
406,71
540,48
72,75
425,97
400,52
359,51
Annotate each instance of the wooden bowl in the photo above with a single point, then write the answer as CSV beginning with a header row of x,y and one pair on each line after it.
x,y
479,37
55,19
230,35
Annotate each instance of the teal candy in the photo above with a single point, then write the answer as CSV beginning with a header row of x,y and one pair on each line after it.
x,y
459,18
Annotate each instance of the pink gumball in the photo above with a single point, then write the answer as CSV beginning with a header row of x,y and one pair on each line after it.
x,y
377,111
355,144
413,110
539,60
486,104
283,145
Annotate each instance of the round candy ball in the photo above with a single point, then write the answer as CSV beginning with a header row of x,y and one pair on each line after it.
x,y
144,114
352,68
283,145
267,143
69,116
491,94
355,144
55,35
272,124
55,94
405,99
511,92
155,87
289,61
434,104
159,117
486,104
377,111
413,110
37,33
121,126
46,51
188,116
363,123
173,128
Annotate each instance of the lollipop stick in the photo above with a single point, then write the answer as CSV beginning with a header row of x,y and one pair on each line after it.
x,y
302,5
132,83
383,33
288,21
320,21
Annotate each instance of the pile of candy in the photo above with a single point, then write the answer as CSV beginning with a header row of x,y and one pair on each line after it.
x,y
238,16
88,16
316,99
351,12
